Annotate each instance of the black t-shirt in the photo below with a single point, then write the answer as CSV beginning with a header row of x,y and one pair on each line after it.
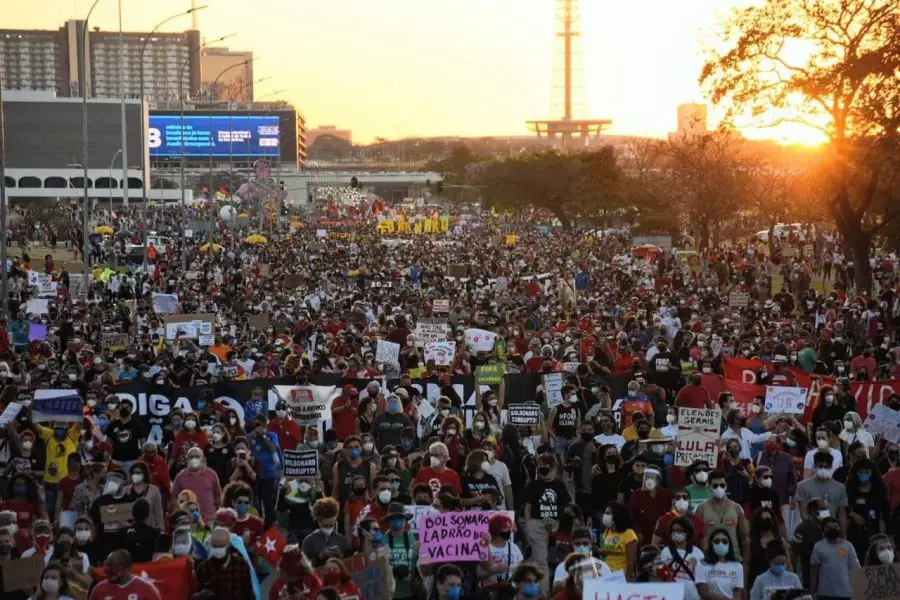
x,y
109,533
140,541
546,498
126,439
472,487
219,460
388,429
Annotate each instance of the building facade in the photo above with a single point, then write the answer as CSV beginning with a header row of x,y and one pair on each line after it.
x,y
227,75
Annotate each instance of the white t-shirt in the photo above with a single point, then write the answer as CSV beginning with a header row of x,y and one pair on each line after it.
x,y
692,560
721,578
560,574
810,464
85,561
860,435
509,555
501,473
615,439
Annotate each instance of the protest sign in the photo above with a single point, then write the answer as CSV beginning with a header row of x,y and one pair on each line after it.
x,y
9,413
441,306
884,420
292,281
876,583
738,299
321,233
206,340
442,353
453,537
457,270
698,432
301,463
37,306
479,340
488,375
308,404
115,341
21,574
524,414
57,405
553,385
116,514
258,322
189,325
596,589
37,332
785,399
165,303
415,511
387,352
570,367
429,331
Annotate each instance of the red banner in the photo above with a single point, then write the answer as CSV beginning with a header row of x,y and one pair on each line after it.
x,y
173,578
740,377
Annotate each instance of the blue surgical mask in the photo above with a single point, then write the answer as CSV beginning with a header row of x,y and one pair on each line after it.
x,y
668,459
397,524
532,589
354,452
453,593
201,404
242,509
720,548
863,477
778,569
586,550
195,516
102,423
407,444
59,432
377,537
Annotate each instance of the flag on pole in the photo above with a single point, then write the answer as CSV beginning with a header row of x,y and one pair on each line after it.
x,y
271,545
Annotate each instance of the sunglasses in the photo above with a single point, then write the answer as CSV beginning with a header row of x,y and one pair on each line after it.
x,y
682,497
718,486
720,541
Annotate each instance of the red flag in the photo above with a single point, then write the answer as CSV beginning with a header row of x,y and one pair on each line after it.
x,y
271,545
171,577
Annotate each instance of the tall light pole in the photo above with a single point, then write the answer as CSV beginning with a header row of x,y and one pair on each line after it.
x,y
181,136
111,162
215,85
82,76
145,171
124,128
4,289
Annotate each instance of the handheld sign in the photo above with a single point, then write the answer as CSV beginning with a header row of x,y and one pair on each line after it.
x,y
524,414
785,399
698,432
553,385
598,589
453,537
489,375
57,405
301,463
876,583
882,419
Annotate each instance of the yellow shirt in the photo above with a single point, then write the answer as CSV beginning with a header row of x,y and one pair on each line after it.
x,y
58,452
613,548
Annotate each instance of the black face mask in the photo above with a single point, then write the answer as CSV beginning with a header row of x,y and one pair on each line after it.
x,y
4,550
643,435
832,533
894,455
504,535
543,471
586,437
612,460
423,503
359,491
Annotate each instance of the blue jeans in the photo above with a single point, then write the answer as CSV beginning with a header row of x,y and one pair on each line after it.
x,y
561,448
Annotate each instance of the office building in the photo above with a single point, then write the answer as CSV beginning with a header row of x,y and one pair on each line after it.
x,y
227,75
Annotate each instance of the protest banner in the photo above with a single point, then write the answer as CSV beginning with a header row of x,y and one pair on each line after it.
x,y
116,515
21,574
415,511
258,322
488,374
597,589
698,432
785,399
37,332
884,420
479,340
453,537
115,341
441,306
738,299
165,303
308,404
189,325
57,405
9,413
553,385
387,352
442,353
876,583
301,463
430,331
524,413
458,270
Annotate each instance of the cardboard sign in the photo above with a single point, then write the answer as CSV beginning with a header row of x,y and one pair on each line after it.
x,y
258,322
553,385
453,537
441,306
116,515
876,583
165,303
190,326
57,405
458,270
116,341
415,511
597,589
387,352
301,463
9,413
524,414
22,574
429,331
292,281
37,332
698,432
882,419
738,299
489,375
785,400
308,404
442,353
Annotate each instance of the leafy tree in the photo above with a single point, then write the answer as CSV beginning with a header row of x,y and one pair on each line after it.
x,y
832,65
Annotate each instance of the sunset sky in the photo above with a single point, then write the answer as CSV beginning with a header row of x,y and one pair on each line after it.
x,y
401,68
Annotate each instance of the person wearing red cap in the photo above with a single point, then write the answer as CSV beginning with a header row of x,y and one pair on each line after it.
x,y
344,411
295,576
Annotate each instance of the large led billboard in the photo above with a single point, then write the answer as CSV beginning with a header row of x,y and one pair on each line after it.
x,y
213,135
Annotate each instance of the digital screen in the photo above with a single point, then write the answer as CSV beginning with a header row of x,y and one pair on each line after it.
x,y
219,135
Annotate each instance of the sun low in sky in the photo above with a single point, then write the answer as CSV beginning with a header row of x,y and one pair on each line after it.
x,y
403,68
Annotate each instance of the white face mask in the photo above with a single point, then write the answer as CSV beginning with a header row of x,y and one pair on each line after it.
x,y
479,424
232,421
822,443
217,436
137,478
451,432
82,535
650,484
607,519
327,530
766,482
823,514
194,463
218,552
823,473
368,446
281,413
755,409
51,586
436,461
27,445
886,556
304,487
485,466
181,548
384,496
719,493
849,425
111,487
701,477
682,505
670,419
190,425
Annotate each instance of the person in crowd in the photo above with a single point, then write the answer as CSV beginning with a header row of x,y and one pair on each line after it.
x,y
699,489
325,542
348,469
139,487
867,504
582,543
225,574
721,513
526,580
680,557
202,481
265,451
881,551
619,542
607,477
448,581
832,560
544,499
649,503
436,472
764,528
121,583
822,485
721,573
826,440
111,510
296,576
140,538
54,584
777,576
337,577
681,506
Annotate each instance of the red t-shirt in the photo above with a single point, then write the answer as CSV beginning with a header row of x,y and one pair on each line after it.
x,y
437,479
254,525
136,588
665,521
67,487
288,432
25,511
892,481
353,507
691,396
344,423
648,509
308,587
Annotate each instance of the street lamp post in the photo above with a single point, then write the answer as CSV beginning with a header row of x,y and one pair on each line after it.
x,y
215,86
82,76
145,171
181,98
115,156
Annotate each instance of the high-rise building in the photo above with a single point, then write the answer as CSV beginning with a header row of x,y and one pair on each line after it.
x,y
50,60
227,75
692,119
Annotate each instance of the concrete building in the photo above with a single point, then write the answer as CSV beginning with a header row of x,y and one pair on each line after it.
x,y
227,75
